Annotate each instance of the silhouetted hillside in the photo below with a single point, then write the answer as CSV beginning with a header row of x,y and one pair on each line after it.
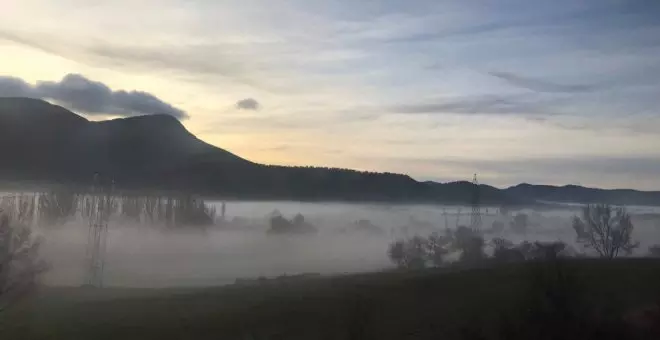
x,y
578,194
44,142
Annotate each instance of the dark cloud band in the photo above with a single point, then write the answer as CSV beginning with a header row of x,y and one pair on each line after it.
x,y
91,97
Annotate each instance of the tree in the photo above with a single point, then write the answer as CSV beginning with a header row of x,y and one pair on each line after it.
x,y
19,259
470,243
416,253
58,205
473,251
548,251
436,248
654,251
461,237
519,223
497,227
606,229
396,253
410,254
505,251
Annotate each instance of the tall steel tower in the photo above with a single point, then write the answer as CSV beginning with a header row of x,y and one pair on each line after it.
x,y
475,220
99,206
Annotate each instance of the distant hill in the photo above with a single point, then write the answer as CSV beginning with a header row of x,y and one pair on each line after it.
x,y
47,143
579,194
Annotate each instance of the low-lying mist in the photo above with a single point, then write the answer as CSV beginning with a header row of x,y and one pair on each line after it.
x,y
143,257
139,255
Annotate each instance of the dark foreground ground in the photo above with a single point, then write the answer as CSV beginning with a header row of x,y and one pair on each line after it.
x,y
479,303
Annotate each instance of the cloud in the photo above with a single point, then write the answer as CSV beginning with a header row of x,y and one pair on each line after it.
x,y
250,104
15,87
485,104
91,97
199,60
539,85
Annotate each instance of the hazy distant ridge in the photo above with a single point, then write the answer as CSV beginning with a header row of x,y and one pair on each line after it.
x,y
44,142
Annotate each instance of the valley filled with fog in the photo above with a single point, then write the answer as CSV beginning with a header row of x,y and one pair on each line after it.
x,y
239,246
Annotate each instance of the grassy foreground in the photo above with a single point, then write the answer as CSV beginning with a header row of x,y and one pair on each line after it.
x,y
431,304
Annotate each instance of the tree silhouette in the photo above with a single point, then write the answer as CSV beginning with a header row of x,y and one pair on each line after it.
x,y
409,254
19,259
436,248
654,251
606,229
519,223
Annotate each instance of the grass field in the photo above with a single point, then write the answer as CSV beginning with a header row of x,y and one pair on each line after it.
x,y
431,304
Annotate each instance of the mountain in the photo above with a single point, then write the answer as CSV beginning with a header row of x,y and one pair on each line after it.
x,y
42,142
47,142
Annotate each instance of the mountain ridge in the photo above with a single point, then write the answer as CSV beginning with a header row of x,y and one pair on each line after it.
x,y
50,143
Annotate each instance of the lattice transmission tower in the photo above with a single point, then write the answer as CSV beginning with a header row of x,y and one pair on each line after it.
x,y
475,220
98,208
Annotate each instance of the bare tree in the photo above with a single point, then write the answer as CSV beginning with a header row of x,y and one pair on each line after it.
x,y
19,261
606,229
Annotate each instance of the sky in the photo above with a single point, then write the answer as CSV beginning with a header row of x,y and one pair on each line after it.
x,y
549,92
